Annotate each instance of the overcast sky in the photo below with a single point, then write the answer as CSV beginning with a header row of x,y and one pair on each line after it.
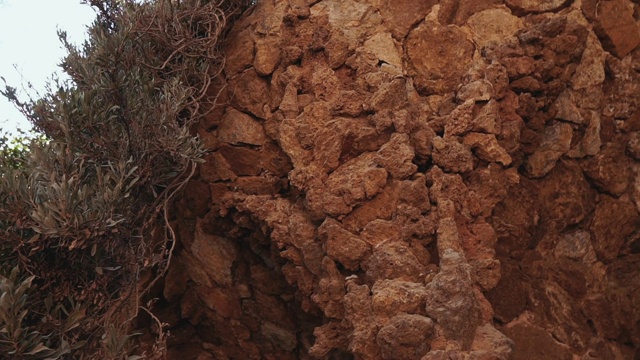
x,y
29,42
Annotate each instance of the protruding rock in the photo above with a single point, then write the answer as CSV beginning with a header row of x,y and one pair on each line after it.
x,y
488,119
493,25
490,343
591,142
396,156
401,15
555,143
459,122
239,128
609,170
390,96
452,155
607,240
451,300
498,76
216,255
383,47
393,296
479,90
621,88
224,303
478,242
284,338
359,313
267,55
289,105
239,53
434,76
331,290
458,11
590,72
616,26
535,343
382,207
450,188
535,6
328,337
405,336
527,84
633,147
337,50
394,260
518,67
355,181
576,246
566,109
354,18
217,168
341,245
566,195
415,193
487,148
242,160
380,187
251,93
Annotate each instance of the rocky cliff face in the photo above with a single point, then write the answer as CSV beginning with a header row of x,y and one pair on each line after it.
x,y
416,180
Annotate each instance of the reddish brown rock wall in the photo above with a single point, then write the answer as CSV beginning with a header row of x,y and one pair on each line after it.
x,y
394,180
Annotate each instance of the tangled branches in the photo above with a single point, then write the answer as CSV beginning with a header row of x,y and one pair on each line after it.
x,y
88,211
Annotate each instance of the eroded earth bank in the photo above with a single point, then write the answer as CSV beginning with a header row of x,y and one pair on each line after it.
x,y
416,180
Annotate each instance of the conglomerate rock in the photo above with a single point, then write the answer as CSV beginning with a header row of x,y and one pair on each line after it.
x,y
416,180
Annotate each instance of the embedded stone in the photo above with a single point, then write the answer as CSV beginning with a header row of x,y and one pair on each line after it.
x,y
239,52
267,55
341,245
479,90
556,141
609,169
401,15
383,47
393,296
566,109
591,142
451,301
452,155
250,93
216,255
535,6
576,246
493,25
608,240
487,148
394,260
397,155
432,75
405,336
616,26
239,128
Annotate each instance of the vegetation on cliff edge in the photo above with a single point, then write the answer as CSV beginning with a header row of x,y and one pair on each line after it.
x,y
84,215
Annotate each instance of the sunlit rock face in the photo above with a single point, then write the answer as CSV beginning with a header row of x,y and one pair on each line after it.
x,y
416,180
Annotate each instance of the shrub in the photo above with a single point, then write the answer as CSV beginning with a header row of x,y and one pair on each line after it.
x,y
87,211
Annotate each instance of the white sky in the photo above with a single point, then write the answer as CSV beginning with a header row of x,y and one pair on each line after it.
x,y
28,40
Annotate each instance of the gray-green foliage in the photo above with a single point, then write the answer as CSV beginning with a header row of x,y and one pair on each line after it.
x,y
20,340
118,148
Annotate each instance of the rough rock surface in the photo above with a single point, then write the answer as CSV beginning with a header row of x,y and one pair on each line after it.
x,y
416,180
